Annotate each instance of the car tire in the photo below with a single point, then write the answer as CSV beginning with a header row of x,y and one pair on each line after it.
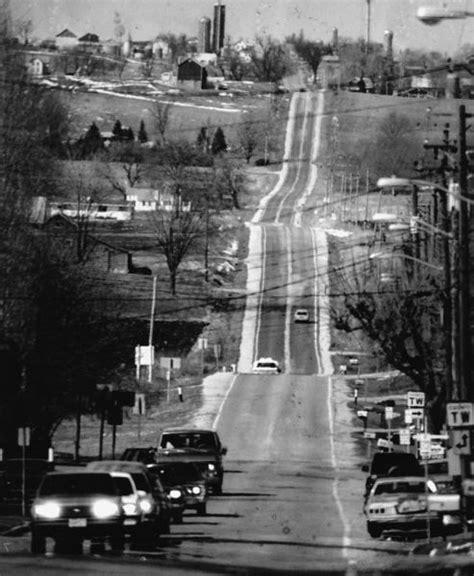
x,y
374,530
117,543
201,509
146,538
38,543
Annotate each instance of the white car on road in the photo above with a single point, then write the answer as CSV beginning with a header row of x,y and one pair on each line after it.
x,y
266,366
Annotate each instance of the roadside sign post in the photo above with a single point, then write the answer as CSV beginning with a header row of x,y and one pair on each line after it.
x,y
168,384
388,417
139,410
23,441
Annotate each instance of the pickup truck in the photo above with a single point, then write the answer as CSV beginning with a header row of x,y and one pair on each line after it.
x,y
200,446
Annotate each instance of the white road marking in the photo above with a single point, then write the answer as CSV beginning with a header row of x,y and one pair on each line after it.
x,y
346,538
221,407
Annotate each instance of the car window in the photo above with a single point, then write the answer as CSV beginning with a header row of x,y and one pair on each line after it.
x,y
124,485
141,481
203,440
78,484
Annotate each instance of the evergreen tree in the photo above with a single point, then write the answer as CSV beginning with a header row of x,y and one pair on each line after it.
x,y
127,134
117,130
92,140
142,135
219,144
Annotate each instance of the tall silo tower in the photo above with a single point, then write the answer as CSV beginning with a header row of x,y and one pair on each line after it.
x,y
204,35
219,27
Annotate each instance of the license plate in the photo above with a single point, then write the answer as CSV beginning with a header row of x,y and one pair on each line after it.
x,y
77,522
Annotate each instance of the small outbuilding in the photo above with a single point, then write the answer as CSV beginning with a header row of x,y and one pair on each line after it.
x,y
192,74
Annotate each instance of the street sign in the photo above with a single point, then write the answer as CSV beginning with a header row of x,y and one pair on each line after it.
x,y
370,435
460,415
382,443
424,445
139,406
362,414
468,487
144,355
414,414
461,442
170,363
388,412
23,436
415,399
404,435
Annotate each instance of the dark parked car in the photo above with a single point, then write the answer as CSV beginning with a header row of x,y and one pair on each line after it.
x,y
203,447
185,485
154,500
11,478
71,507
391,464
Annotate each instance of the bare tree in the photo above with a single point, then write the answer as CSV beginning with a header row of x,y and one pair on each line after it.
x,y
250,135
270,62
399,311
160,112
176,231
23,28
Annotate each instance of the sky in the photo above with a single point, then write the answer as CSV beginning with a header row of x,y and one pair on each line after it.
x,y
245,19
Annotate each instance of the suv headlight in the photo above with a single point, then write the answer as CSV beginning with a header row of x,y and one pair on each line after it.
x,y
175,494
211,466
48,510
196,490
104,509
146,505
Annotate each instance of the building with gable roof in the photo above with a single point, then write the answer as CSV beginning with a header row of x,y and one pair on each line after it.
x,y
66,39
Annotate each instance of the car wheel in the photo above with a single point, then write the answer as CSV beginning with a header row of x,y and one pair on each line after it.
x,y
97,547
146,538
374,530
201,509
117,543
38,543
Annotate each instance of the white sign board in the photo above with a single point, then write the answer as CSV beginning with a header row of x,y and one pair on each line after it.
x,y
382,443
388,412
424,445
461,442
139,406
459,415
414,414
415,399
370,435
144,355
362,414
23,436
404,437
170,363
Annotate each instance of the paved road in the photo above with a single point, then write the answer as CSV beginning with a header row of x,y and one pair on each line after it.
x,y
292,491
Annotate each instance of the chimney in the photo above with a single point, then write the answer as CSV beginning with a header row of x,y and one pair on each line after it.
x,y
389,44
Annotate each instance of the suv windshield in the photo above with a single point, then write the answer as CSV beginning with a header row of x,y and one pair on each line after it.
x,y
199,440
124,485
78,484
400,487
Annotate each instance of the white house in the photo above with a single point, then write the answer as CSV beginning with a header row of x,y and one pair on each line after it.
x,y
151,200
37,68
66,39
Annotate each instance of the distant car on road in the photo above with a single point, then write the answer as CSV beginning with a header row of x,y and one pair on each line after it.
x,y
301,315
266,366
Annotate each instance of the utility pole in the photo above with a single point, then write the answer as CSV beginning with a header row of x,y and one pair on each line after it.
x,y
464,284
367,49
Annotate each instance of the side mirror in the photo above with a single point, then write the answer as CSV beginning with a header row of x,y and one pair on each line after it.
x,y
365,468
224,450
